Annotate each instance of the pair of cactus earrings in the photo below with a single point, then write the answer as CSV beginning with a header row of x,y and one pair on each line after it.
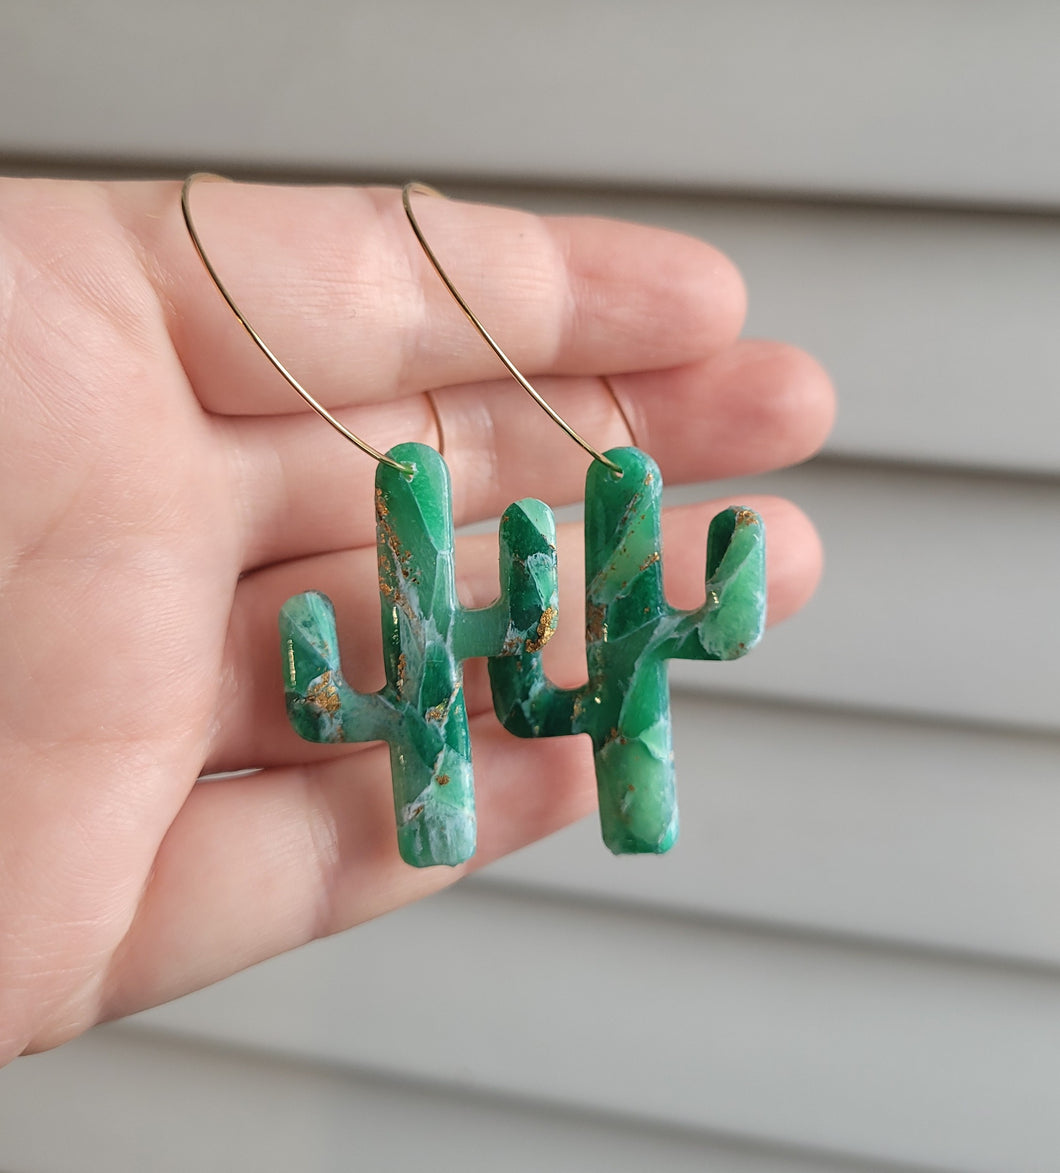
x,y
631,631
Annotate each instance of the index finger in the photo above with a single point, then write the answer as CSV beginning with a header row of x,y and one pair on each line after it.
x,y
336,283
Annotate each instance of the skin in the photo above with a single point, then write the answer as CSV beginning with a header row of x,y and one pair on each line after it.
x,y
164,492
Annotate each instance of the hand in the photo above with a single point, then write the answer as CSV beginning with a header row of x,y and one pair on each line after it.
x,y
164,492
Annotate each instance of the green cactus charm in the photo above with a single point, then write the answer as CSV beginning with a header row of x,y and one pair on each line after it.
x,y
427,636
630,633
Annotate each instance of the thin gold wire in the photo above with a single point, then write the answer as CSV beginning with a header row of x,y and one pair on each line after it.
x,y
319,408
423,189
432,403
621,410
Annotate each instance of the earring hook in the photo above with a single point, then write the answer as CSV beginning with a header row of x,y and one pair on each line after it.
x,y
424,189
319,408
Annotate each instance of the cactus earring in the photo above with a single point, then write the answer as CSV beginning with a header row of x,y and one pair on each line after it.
x,y
630,630
427,635
630,633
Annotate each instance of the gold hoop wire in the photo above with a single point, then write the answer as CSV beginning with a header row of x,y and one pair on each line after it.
x,y
424,189
319,408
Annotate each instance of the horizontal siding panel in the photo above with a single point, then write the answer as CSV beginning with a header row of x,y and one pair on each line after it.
x,y
800,1042
938,835
938,99
189,1107
938,328
938,599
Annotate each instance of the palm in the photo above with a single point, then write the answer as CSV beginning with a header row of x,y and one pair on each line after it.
x,y
159,506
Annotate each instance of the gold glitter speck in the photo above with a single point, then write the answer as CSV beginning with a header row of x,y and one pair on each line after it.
x,y
546,629
323,694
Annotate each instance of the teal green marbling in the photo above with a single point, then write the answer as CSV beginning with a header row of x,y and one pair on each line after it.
x,y
631,631
426,637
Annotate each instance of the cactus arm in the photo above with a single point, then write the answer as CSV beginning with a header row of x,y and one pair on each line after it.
x,y
320,704
524,617
524,699
731,621
528,704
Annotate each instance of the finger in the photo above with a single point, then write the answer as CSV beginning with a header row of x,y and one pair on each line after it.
x,y
755,406
336,283
257,865
252,727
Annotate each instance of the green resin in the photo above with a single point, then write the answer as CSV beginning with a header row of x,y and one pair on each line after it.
x,y
427,636
630,633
